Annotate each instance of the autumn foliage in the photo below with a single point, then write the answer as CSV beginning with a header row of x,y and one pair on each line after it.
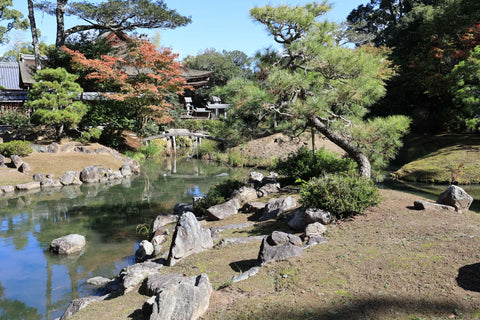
x,y
137,75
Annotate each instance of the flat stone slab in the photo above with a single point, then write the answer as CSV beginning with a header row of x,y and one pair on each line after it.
x,y
431,206
229,241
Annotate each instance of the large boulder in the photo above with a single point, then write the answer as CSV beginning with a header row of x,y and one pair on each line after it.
x,y
189,238
178,297
90,174
162,220
255,179
277,206
312,215
456,197
223,210
69,244
78,304
53,147
134,274
70,177
315,229
279,246
38,176
267,189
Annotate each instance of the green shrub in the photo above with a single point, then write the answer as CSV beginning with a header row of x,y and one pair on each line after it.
x,y
303,165
151,150
15,119
341,194
207,147
91,135
216,195
20,148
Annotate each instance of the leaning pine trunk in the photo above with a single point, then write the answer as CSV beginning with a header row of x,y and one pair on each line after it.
x,y
354,152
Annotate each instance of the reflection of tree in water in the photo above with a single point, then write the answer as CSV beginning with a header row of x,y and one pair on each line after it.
x,y
14,309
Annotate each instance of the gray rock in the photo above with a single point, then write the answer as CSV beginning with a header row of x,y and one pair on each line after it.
x,y
145,251
49,175
25,167
69,244
2,161
90,174
38,177
98,281
53,147
70,177
315,240
7,189
134,274
296,221
50,183
28,186
244,195
185,299
233,226
223,210
163,220
157,242
268,189
254,207
189,238
277,206
431,206
39,148
313,215
247,274
82,149
315,229
231,241
78,304
456,197
255,178
181,208
125,170
69,147
115,175
279,246
16,161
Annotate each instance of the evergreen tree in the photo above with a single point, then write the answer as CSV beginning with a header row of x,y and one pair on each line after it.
x,y
322,85
54,97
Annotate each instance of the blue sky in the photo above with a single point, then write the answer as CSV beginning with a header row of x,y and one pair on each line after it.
x,y
218,24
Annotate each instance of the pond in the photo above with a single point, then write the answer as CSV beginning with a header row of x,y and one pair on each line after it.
x,y
35,284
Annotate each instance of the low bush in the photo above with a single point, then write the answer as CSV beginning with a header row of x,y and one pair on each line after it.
x,y
341,194
20,148
16,119
216,195
303,165
91,135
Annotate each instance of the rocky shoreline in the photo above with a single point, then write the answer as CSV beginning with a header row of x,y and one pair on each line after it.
x,y
89,174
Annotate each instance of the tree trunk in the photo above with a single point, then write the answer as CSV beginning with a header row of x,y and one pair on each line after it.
x,y
33,28
60,11
354,152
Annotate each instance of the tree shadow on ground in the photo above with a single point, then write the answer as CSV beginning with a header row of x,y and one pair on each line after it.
x,y
368,308
244,265
469,277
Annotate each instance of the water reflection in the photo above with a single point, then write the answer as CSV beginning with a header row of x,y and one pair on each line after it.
x,y
37,285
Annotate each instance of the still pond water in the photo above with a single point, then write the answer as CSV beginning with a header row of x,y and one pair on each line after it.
x,y
37,285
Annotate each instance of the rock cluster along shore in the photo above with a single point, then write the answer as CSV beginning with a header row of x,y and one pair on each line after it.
x,y
175,296
90,174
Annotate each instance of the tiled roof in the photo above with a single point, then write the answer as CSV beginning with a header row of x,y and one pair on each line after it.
x,y
10,75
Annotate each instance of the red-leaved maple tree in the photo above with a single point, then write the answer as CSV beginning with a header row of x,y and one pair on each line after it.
x,y
137,75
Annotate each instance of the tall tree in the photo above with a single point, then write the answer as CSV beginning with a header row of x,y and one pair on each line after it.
x,y
323,85
113,15
13,19
33,29
140,80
